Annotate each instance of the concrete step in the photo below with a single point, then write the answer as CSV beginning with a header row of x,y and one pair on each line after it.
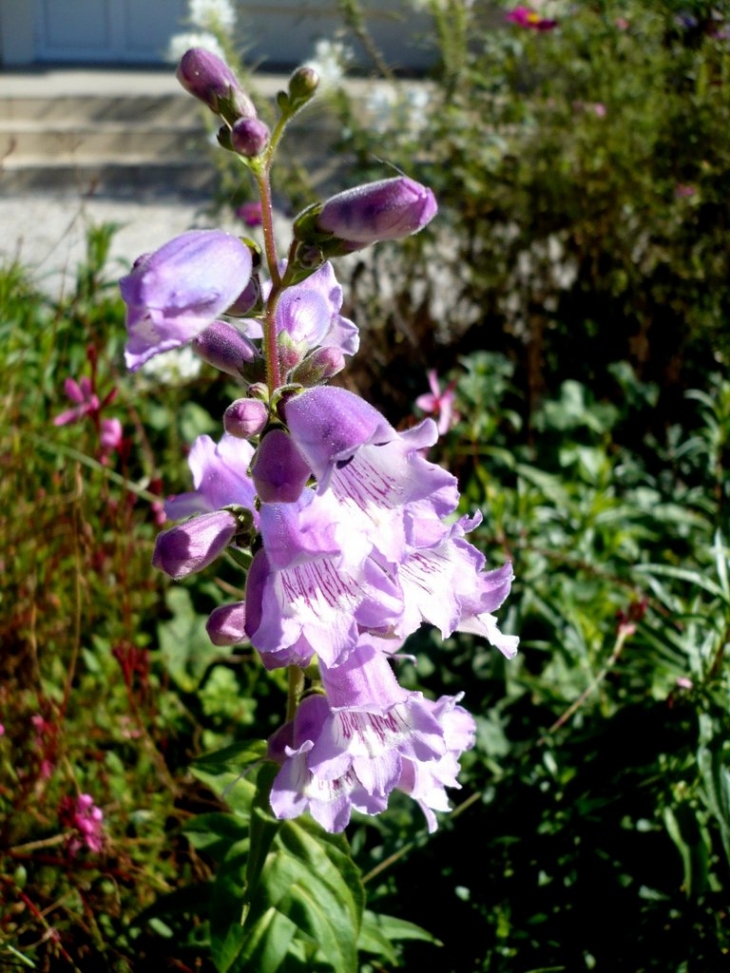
x,y
32,141
133,178
68,109
121,131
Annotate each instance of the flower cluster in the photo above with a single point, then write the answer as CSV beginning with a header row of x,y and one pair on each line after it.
x,y
350,535
85,821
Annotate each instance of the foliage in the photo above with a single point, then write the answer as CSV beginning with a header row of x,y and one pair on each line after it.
x,y
581,174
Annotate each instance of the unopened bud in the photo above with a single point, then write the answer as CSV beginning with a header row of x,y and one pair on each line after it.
x,y
209,79
249,137
384,210
302,85
224,347
195,544
291,352
245,418
246,300
279,470
316,368
258,390
226,624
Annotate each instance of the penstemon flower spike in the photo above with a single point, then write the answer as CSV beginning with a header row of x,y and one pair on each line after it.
x,y
348,537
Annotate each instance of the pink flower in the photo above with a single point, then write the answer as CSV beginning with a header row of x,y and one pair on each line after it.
x,y
111,435
250,213
440,404
87,403
599,109
524,17
85,818
682,191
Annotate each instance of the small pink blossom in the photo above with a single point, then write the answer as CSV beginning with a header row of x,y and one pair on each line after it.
x,y
622,23
682,191
85,818
440,404
110,437
250,213
524,17
87,403
599,109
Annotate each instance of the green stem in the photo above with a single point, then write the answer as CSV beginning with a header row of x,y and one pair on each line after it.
x,y
296,686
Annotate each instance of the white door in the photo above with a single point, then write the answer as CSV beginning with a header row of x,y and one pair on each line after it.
x,y
99,31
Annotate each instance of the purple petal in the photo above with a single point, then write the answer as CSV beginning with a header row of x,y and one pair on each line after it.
x,y
279,470
176,292
194,545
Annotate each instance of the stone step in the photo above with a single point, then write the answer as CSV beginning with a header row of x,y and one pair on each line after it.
x,y
69,109
21,142
105,177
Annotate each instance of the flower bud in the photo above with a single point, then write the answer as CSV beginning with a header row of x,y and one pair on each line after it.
x,y
258,390
195,544
318,367
225,348
226,624
302,85
245,418
279,471
209,79
290,351
246,300
384,210
249,137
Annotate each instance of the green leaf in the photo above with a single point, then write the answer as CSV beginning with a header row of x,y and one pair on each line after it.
x,y
234,757
226,773
306,903
184,642
716,780
378,932
264,828
682,574
214,833
692,842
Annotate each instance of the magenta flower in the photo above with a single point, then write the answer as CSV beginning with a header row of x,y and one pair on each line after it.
x,y
384,210
86,819
110,435
178,291
87,402
250,213
440,404
524,17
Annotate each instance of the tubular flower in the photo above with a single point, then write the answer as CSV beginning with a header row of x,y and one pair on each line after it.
x,y
175,293
351,748
384,210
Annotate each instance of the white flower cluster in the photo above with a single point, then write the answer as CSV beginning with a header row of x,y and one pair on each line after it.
x,y
330,61
211,19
